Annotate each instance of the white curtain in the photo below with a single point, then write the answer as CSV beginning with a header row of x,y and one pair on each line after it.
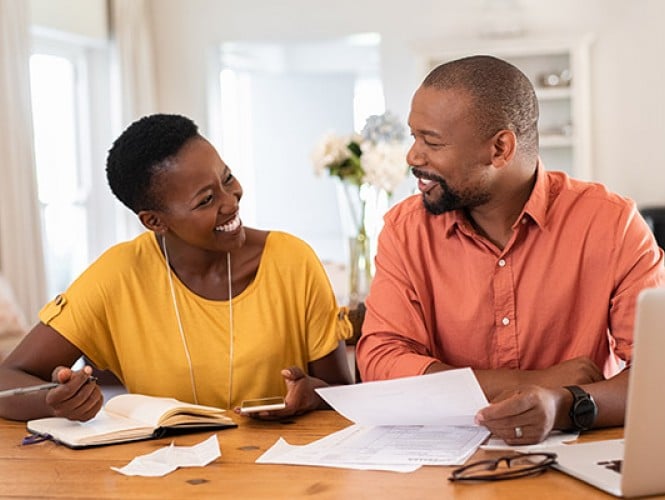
x,y
134,74
134,58
21,256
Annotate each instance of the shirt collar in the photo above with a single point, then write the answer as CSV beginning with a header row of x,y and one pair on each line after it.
x,y
453,220
536,206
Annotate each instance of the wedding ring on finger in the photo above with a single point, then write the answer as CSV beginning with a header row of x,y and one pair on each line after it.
x,y
518,432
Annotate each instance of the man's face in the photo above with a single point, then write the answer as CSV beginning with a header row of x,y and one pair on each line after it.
x,y
448,156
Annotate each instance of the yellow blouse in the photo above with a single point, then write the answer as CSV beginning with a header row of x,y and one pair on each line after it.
x,y
120,313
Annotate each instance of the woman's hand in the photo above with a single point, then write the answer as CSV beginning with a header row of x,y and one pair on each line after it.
x,y
78,397
300,396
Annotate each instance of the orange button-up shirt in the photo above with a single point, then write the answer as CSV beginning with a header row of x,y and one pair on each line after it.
x,y
564,286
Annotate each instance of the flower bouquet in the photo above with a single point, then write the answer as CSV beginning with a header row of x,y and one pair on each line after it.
x,y
369,164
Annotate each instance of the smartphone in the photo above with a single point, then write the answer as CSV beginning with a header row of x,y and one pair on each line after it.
x,y
262,404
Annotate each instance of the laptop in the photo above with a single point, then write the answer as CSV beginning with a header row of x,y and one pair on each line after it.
x,y
634,465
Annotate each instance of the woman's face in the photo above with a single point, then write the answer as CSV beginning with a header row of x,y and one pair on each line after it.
x,y
199,198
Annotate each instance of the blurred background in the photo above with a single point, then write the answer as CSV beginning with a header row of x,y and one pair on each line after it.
x,y
265,79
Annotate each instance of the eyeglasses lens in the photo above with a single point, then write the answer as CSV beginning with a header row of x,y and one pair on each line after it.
x,y
504,467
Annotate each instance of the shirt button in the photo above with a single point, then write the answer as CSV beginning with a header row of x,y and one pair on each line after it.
x,y
523,220
502,263
505,321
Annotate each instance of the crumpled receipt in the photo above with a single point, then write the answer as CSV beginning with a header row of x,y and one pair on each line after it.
x,y
167,459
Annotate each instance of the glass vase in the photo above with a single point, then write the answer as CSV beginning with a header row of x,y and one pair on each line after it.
x,y
360,267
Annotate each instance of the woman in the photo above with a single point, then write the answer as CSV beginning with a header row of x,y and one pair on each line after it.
x,y
199,307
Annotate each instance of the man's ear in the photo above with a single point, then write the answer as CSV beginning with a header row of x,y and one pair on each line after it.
x,y
504,147
151,220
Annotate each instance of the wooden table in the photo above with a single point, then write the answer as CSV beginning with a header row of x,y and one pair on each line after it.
x,y
48,470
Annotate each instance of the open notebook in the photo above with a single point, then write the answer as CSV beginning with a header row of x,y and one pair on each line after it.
x,y
130,417
632,466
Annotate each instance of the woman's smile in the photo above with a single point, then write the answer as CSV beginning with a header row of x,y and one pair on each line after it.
x,y
230,226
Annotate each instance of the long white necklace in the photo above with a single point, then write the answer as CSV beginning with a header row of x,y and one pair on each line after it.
x,y
182,332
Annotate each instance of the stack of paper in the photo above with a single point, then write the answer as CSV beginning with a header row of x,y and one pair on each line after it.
x,y
399,425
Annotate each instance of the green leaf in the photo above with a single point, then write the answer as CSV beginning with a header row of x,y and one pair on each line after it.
x,y
354,147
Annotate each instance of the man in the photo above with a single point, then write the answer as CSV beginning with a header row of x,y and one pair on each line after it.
x,y
527,276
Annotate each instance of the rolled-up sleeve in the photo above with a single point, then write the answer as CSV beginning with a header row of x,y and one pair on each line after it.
x,y
395,341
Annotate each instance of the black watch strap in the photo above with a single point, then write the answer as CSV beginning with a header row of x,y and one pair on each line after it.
x,y
583,411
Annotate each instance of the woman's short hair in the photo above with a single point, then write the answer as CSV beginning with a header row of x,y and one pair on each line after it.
x,y
141,151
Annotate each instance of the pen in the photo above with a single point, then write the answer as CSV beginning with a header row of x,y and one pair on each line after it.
x,y
34,388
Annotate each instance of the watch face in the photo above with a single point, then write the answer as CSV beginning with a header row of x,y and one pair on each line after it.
x,y
584,413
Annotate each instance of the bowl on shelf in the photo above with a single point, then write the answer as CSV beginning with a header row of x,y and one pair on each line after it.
x,y
555,79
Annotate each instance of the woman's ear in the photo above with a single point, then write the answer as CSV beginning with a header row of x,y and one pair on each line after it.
x,y
152,221
504,146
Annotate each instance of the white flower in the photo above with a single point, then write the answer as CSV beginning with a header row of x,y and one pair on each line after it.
x,y
331,150
376,157
384,164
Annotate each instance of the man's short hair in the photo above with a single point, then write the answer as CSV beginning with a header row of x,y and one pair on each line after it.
x,y
140,152
503,97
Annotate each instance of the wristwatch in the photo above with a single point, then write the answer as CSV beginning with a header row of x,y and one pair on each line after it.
x,y
583,411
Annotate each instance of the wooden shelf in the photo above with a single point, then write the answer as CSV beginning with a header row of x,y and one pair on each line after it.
x,y
553,93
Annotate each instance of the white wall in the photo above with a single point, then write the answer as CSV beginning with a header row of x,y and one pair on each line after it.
x,y
289,197
292,95
85,18
628,69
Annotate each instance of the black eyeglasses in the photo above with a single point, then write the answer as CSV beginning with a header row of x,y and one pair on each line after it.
x,y
499,469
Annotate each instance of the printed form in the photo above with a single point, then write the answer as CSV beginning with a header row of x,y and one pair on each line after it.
x,y
399,424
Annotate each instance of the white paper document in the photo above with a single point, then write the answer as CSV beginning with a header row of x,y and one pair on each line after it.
x,y
555,438
386,447
319,453
169,458
399,425
450,397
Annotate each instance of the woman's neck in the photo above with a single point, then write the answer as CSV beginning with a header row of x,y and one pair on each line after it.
x,y
206,273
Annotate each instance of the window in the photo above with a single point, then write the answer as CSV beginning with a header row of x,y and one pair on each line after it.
x,y
62,189
368,100
269,105
69,145
235,133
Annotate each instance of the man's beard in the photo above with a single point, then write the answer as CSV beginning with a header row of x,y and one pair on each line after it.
x,y
451,199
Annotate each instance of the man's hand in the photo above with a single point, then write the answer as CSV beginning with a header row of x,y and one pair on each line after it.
x,y
522,416
77,398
